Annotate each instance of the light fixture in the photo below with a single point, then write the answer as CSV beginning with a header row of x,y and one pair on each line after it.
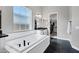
x,y
38,16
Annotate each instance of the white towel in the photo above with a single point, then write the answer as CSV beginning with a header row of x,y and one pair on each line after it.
x,y
69,28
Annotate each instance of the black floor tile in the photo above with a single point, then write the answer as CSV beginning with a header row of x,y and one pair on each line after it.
x,y
60,46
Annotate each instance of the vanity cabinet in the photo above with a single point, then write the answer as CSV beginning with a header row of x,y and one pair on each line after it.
x,y
2,42
43,31
2,45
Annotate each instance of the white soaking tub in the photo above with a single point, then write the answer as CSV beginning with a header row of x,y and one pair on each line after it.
x,y
34,42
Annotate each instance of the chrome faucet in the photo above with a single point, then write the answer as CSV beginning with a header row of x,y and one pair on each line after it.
x,y
28,43
24,42
19,45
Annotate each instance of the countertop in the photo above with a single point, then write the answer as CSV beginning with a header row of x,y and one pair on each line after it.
x,y
41,28
3,35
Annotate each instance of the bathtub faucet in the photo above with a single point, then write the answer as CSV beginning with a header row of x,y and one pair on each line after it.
x,y
24,42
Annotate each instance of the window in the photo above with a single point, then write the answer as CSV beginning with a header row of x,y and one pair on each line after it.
x,y
22,18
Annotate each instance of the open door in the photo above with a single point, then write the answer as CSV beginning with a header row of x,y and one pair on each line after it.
x,y
53,24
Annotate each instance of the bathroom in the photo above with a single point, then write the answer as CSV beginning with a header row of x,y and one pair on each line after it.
x,y
22,30
17,23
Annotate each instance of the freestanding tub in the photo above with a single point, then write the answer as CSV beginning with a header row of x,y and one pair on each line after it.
x,y
34,42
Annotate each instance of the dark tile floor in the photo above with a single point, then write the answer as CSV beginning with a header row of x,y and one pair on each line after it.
x,y
60,46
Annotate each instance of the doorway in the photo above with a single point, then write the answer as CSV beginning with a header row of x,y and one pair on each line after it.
x,y
53,24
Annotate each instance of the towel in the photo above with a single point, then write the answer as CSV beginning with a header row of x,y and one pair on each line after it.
x,y
69,27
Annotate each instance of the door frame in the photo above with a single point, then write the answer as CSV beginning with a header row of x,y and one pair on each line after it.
x,y
49,19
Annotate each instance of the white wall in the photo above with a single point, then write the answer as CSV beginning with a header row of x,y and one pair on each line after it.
x,y
7,20
75,27
63,17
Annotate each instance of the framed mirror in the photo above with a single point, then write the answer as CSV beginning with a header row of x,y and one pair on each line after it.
x,y
22,19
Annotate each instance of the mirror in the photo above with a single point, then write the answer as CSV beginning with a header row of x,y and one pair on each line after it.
x,y
22,18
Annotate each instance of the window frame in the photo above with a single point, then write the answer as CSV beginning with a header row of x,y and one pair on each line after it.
x,y
20,30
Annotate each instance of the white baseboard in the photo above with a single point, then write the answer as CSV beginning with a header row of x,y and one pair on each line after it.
x,y
68,40
61,38
74,46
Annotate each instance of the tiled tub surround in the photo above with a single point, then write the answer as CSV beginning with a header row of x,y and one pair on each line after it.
x,y
27,42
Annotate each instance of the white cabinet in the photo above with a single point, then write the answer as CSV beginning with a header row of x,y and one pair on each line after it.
x,y
2,44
